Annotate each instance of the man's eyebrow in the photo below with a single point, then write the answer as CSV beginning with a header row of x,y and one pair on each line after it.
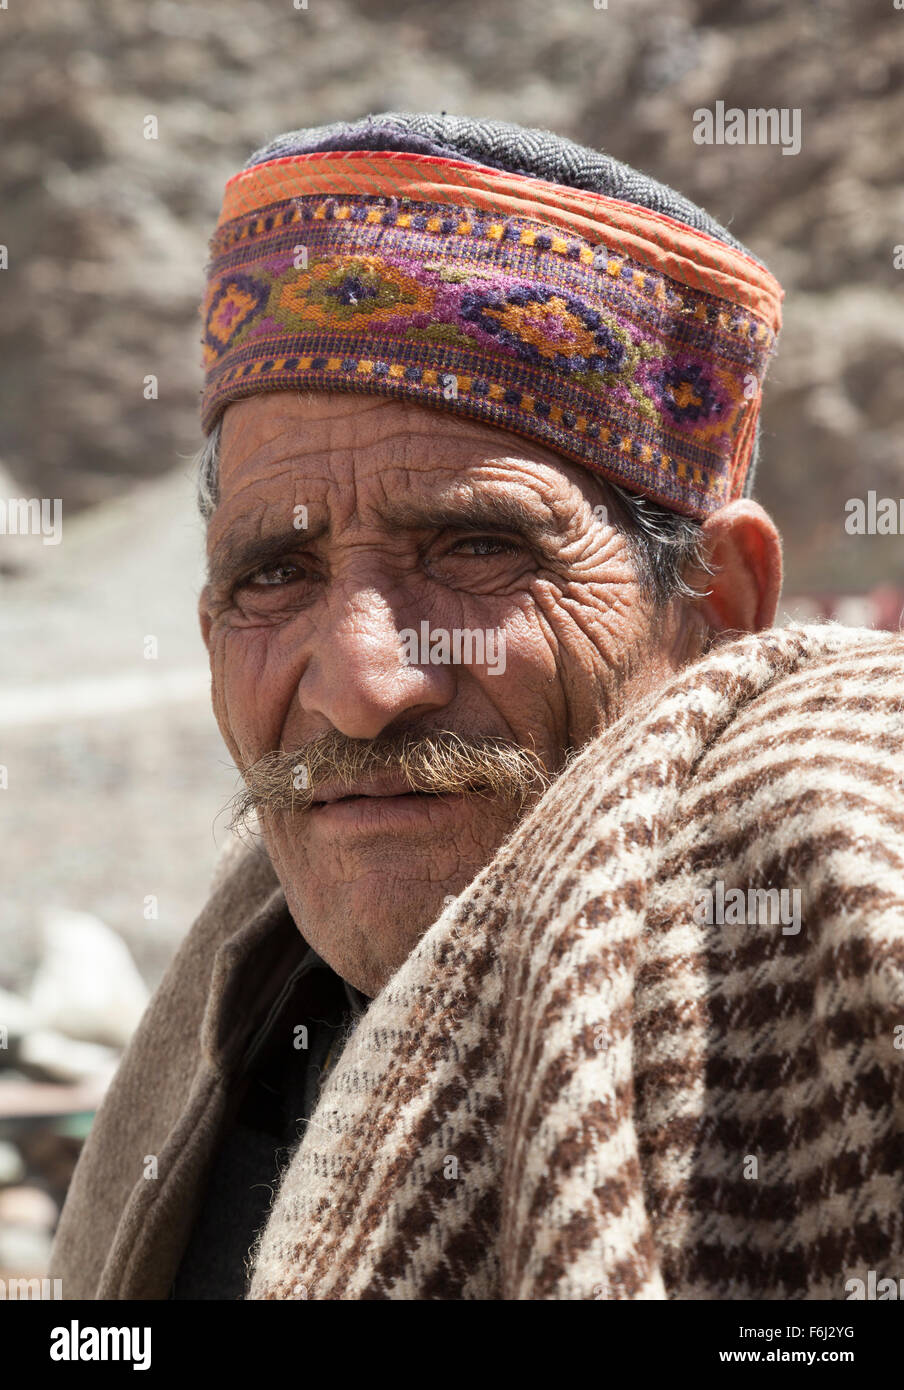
x,y
492,510
234,554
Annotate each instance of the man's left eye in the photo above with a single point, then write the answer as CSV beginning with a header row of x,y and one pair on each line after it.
x,y
486,545
272,574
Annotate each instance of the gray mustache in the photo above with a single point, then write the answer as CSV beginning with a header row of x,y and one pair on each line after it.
x,y
443,763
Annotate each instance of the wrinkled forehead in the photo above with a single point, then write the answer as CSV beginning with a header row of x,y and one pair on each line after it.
x,y
335,444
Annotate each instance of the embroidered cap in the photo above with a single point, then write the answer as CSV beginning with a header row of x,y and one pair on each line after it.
x,y
628,339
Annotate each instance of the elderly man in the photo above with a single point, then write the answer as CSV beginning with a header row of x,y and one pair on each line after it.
x,y
568,962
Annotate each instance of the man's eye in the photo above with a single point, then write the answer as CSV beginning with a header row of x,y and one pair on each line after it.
x,y
272,574
486,545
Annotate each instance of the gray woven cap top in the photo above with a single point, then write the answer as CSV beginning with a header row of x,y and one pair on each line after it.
x,y
517,150
500,145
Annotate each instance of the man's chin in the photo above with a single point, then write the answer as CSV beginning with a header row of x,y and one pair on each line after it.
x,y
364,879
364,911
363,942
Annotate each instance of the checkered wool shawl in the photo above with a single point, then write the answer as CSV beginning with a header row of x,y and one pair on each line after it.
x,y
573,1089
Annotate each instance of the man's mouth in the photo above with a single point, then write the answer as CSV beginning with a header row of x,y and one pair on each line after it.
x,y
369,796
385,788
381,806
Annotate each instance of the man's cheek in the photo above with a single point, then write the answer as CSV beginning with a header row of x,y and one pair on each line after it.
x,y
592,621
216,654
243,698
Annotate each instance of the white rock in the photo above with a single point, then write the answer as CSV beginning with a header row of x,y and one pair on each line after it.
x,y
67,1059
27,1206
24,1249
16,1016
27,1217
87,984
12,1168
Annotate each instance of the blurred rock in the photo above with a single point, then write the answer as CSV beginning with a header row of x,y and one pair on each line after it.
x,y
12,1167
17,1017
119,770
87,984
51,1158
57,1058
27,1220
27,1206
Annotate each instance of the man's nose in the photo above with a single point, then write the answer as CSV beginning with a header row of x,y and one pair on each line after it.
x,y
356,677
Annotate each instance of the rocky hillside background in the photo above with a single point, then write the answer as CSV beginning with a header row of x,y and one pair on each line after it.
x,y
107,230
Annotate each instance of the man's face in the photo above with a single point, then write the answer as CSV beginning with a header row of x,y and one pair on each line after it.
x,y
346,521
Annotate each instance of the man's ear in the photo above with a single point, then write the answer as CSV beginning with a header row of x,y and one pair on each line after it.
x,y
204,615
745,552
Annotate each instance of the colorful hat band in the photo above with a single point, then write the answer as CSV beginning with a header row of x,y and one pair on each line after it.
x,y
619,337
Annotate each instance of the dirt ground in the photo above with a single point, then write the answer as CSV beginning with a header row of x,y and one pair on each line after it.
x,y
117,772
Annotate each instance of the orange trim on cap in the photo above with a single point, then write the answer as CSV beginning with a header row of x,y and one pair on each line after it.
x,y
661,243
